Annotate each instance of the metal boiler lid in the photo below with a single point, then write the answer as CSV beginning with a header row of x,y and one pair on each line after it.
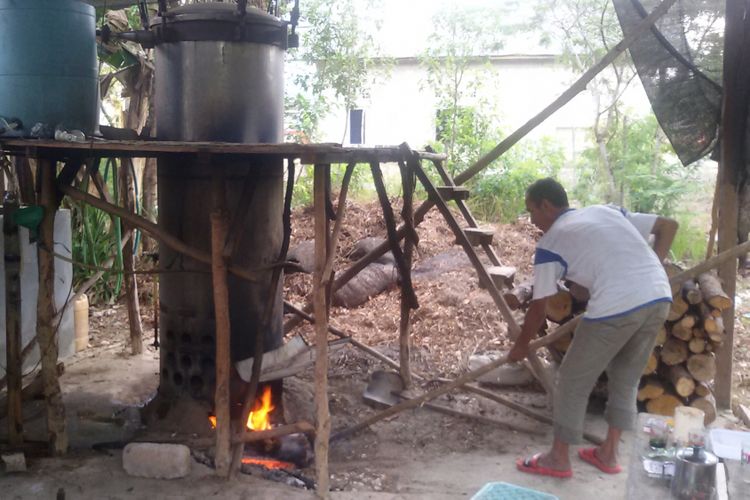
x,y
219,22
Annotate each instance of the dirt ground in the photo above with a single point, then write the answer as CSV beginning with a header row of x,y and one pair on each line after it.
x,y
417,454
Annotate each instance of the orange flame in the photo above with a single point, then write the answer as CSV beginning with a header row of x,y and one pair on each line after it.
x,y
259,419
268,463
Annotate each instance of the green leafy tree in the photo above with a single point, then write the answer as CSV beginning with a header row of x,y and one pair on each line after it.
x,y
457,63
629,162
498,193
333,65
649,178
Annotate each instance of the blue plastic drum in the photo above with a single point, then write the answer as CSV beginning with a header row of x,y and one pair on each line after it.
x,y
48,65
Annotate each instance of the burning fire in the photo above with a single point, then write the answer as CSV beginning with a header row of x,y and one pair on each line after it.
x,y
268,463
259,418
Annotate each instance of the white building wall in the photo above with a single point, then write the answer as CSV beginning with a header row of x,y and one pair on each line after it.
x,y
402,108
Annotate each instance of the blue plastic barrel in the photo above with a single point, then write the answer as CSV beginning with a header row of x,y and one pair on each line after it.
x,y
48,65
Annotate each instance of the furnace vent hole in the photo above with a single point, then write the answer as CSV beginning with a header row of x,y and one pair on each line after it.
x,y
196,385
186,362
170,335
207,340
171,362
185,338
177,379
207,365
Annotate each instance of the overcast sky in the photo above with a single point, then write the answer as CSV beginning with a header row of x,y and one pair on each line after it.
x,y
406,24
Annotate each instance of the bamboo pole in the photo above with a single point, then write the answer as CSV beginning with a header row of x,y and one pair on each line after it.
x,y
46,331
127,198
13,357
219,228
323,418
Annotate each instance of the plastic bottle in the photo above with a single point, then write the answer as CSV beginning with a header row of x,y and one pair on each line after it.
x,y
81,322
69,136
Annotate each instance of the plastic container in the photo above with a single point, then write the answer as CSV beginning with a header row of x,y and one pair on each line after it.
x,y
48,64
688,421
727,444
507,491
81,321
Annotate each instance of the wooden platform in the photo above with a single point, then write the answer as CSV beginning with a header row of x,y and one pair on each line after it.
x,y
306,153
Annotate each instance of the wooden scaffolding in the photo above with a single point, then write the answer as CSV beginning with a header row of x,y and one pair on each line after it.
x,y
56,182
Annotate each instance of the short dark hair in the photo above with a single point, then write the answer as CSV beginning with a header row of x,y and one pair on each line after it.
x,y
547,189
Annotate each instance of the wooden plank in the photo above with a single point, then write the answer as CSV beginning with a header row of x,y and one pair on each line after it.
x,y
464,209
46,328
13,358
307,153
478,236
453,193
322,412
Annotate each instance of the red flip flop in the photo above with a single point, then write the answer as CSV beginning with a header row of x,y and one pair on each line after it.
x,y
531,466
589,455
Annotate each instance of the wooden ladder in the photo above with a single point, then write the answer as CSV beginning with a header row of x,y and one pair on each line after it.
x,y
489,278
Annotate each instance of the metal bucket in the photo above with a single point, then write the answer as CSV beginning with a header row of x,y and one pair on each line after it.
x,y
48,65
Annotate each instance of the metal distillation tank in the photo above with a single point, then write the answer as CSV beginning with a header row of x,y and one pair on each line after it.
x,y
219,77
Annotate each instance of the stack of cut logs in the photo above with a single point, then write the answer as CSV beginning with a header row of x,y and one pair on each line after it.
x,y
682,367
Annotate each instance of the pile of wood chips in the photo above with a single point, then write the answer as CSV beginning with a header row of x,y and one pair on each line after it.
x,y
456,318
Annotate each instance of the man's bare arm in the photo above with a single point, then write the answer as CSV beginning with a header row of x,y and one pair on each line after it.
x,y
535,317
664,231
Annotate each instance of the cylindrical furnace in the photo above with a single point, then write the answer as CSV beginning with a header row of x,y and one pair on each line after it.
x,y
219,77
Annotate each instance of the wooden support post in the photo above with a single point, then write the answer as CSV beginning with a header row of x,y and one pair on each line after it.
x,y
323,418
13,358
732,167
46,328
404,331
127,200
219,228
25,178
404,270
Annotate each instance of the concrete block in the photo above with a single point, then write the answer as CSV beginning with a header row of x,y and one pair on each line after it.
x,y
14,462
157,460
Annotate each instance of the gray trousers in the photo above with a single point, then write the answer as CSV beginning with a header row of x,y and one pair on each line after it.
x,y
621,346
